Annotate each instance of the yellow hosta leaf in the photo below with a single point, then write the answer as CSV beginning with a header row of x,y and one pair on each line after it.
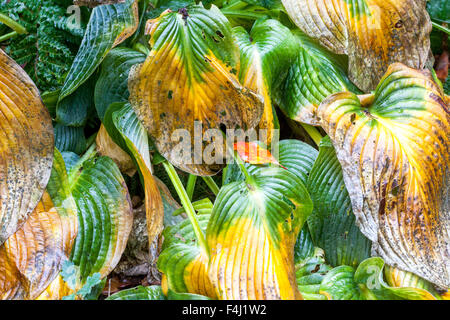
x,y
26,146
394,150
31,259
373,33
187,80
250,237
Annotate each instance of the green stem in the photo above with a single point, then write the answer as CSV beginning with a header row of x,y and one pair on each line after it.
x,y
17,27
187,204
212,185
441,28
191,185
313,133
8,36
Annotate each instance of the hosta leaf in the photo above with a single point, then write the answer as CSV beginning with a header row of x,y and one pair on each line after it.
x,y
252,233
75,109
136,140
107,147
270,4
439,10
314,75
32,257
369,277
266,54
139,293
297,156
252,152
69,138
104,213
188,77
108,26
304,247
339,284
373,33
94,3
183,262
26,146
332,223
394,150
310,273
169,203
112,83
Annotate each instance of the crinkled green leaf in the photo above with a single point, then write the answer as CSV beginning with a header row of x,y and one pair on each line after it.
x,y
108,26
69,138
439,10
139,293
332,223
112,83
314,75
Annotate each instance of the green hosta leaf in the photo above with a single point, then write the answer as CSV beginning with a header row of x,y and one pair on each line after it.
x,y
269,4
304,247
70,159
112,83
266,54
139,293
75,109
339,284
298,157
439,10
104,214
332,223
69,138
310,273
314,75
108,26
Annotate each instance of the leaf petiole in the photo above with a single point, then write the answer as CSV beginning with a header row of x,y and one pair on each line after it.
x,y
313,133
212,185
17,27
187,204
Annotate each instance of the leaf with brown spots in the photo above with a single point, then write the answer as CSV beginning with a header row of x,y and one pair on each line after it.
x,y
94,3
373,33
30,260
189,79
26,146
393,146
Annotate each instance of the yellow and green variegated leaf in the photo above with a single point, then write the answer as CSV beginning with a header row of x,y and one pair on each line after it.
x,y
26,146
266,54
108,26
112,83
250,236
369,278
94,3
332,223
104,213
314,75
367,283
189,79
68,138
31,258
183,262
139,293
252,233
393,147
136,140
373,33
